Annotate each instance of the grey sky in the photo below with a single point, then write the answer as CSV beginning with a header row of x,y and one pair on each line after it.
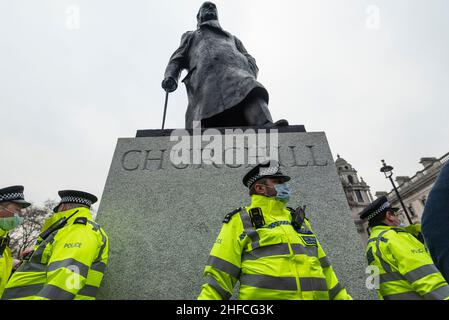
x,y
67,94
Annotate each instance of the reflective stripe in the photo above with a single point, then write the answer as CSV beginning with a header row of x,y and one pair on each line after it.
x,y
438,294
384,264
95,226
267,282
100,253
55,293
300,249
249,230
278,223
224,266
420,272
266,251
335,290
393,276
37,255
222,292
324,261
30,266
69,264
99,266
313,284
88,290
378,238
411,295
22,291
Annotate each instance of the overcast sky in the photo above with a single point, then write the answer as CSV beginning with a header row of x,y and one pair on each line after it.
x,y
77,75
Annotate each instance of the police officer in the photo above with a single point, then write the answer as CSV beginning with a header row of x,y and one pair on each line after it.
x,y
70,255
269,248
12,201
406,270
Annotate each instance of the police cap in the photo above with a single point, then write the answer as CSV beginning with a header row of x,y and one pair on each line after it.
x,y
14,194
380,205
267,169
75,196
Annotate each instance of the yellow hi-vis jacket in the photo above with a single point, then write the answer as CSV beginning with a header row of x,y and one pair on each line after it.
x,y
406,270
67,263
5,260
271,262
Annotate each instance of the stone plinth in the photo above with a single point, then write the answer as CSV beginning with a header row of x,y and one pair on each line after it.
x,y
162,218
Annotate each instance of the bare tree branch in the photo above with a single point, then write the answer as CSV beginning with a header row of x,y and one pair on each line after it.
x,y
25,235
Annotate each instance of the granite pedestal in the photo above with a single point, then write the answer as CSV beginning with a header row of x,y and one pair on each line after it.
x,y
162,218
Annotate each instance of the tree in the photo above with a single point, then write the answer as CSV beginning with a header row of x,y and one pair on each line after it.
x,y
25,235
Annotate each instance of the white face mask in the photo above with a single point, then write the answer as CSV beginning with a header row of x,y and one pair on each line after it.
x,y
9,223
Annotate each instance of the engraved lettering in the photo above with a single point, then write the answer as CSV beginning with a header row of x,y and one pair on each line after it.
x,y
148,159
124,159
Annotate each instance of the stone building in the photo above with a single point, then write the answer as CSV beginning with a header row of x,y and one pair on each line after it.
x,y
357,193
415,190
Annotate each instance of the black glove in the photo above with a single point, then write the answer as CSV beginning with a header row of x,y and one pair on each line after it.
x,y
169,84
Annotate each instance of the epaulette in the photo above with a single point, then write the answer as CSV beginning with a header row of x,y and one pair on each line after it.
x,y
80,220
228,217
399,230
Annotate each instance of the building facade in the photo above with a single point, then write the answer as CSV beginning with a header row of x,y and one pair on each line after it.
x,y
357,193
415,190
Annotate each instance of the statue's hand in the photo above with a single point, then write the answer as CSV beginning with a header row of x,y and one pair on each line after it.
x,y
169,84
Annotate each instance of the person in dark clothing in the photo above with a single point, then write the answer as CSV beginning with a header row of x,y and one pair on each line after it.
x,y
435,222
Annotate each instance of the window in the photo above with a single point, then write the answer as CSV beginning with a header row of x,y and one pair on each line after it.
x,y
351,179
423,201
359,195
411,210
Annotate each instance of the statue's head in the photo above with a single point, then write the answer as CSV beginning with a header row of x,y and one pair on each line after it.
x,y
208,11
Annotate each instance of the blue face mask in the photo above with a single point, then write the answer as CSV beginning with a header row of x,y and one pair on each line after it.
x,y
282,192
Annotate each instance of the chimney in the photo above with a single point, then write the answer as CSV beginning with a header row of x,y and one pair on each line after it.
x,y
427,161
402,179
381,193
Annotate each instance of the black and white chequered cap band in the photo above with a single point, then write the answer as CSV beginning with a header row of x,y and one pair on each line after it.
x,y
71,199
382,208
262,173
12,196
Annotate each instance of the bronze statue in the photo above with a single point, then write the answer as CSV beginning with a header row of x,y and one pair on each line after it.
x,y
221,82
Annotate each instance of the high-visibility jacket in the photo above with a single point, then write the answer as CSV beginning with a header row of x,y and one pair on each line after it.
x,y
5,260
270,262
405,268
67,263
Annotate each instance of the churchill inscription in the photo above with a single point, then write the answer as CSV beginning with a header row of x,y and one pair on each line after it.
x,y
158,159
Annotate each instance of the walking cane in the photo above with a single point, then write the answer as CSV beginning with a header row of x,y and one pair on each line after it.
x,y
165,109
